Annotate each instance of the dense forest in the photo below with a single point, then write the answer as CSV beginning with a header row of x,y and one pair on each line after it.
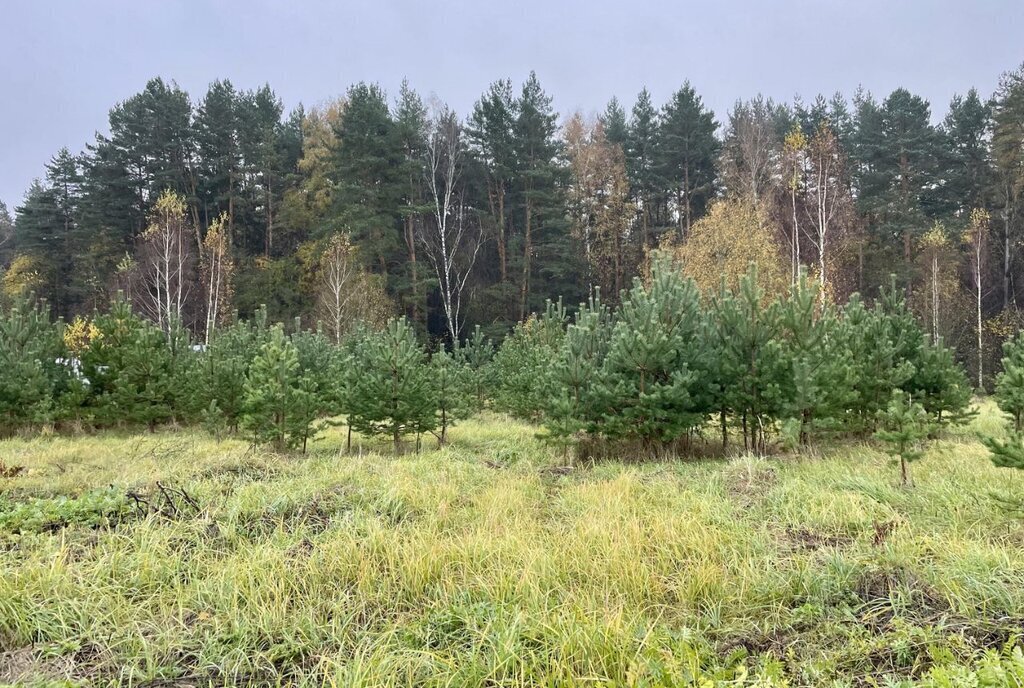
x,y
376,205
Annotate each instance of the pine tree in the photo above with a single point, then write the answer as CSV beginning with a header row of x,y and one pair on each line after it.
x,y
686,155
6,238
1009,392
522,366
1007,154
220,159
492,143
1008,453
47,230
369,177
225,365
453,390
389,392
36,368
641,152
540,202
821,371
748,329
613,119
136,374
896,153
967,166
411,131
574,407
279,403
317,394
940,384
262,167
882,344
476,355
904,427
650,383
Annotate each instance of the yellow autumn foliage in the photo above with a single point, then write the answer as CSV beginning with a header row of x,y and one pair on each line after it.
x,y
725,242
23,277
79,333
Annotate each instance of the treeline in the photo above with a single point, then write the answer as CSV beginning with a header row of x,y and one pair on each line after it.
x,y
119,370
666,370
371,207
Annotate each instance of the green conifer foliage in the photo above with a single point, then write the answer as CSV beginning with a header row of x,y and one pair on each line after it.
x,y
226,362
454,389
34,367
522,367
1009,392
573,407
650,385
1009,395
821,371
389,389
280,403
904,427
940,384
135,375
881,361
748,330
476,356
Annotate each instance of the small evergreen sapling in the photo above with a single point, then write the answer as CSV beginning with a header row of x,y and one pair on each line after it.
x,y
225,364
821,386
1008,453
748,333
135,374
33,374
389,390
940,384
573,407
523,365
476,356
280,403
1009,394
1009,390
904,428
649,386
454,391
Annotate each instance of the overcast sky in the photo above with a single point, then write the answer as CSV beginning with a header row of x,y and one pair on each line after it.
x,y
64,64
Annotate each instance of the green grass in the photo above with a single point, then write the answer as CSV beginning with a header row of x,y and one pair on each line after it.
x,y
488,563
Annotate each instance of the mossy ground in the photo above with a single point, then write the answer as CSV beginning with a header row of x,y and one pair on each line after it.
x,y
490,563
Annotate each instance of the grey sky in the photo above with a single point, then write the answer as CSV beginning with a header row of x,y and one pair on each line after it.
x,y
64,64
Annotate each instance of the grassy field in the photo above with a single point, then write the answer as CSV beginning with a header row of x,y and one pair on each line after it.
x,y
172,559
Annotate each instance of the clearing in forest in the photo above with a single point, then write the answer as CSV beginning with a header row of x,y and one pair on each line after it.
x,y
173,559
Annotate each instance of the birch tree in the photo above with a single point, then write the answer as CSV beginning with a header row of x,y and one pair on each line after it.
x,y
750,155
794,161
167,262
217,272
599,205
828,197
347,295
451,236
976,238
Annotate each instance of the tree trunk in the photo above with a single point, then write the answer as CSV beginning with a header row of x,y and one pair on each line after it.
x,y
502,241
524,287
981,357
410,241
935,297
269,244
686,198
